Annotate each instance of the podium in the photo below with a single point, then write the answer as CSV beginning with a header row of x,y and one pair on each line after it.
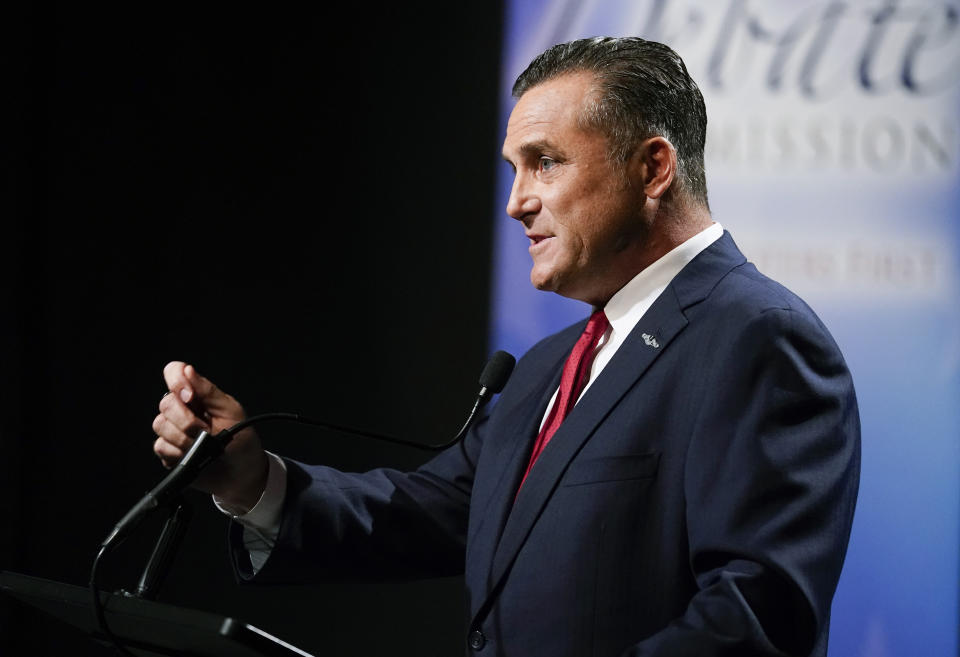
x,y
147,628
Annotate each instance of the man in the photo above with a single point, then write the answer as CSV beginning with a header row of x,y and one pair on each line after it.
x,y
692,496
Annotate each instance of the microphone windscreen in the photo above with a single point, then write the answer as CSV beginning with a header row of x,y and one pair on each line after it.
x,y
496,372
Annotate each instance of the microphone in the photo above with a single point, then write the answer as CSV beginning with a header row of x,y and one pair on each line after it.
x,y
495,373
492,379
208,447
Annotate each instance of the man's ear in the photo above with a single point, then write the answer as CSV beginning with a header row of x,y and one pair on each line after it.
x,y
656,159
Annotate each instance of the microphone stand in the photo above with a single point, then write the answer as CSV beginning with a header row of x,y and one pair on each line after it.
x,y
155,572
174,529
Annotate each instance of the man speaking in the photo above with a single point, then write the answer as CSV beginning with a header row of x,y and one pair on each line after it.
x,y
675,475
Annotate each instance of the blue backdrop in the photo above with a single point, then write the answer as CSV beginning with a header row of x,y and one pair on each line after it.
x,y
832,157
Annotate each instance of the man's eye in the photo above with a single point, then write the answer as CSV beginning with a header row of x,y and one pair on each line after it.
x,y
546,163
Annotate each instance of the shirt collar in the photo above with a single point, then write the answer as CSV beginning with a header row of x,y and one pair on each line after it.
x,y
628,305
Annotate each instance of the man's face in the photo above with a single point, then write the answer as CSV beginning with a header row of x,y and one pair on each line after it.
x,y
582,217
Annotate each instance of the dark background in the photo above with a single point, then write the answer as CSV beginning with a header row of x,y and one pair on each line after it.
x,y
299,202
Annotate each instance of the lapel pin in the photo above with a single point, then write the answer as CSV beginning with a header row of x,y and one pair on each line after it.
x,y
650,340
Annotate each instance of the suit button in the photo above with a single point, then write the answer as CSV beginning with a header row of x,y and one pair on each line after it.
x,y
476,640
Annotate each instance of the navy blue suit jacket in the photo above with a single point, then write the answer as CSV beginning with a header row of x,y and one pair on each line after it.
x,y
697,500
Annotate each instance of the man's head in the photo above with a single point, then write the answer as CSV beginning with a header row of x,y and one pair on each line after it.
x,y
642,89
597,183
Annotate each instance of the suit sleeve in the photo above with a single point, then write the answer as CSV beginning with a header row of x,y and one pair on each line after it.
x,y
381,524
771,481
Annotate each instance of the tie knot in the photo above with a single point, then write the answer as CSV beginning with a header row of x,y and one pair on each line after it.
x,y
596,326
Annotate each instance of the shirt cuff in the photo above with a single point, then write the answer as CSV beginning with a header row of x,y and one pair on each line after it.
x,y
264,517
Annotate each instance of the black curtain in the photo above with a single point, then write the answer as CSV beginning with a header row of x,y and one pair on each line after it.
x,y
299,202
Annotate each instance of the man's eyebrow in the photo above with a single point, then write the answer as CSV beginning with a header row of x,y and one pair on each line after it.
x,y
532,148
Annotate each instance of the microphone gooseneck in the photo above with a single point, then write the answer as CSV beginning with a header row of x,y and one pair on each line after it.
x,y
208,447
492,380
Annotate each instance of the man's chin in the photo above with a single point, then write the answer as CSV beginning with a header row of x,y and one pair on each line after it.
x,y
543,283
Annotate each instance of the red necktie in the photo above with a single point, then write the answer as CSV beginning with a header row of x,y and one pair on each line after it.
x,y
576,371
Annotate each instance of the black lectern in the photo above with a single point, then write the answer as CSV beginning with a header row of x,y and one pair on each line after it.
x,y
146,627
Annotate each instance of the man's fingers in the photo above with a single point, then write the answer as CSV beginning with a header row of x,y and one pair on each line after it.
x,y
181,416
214,400
186,383
196,385
166,430
198,392
177,424
170,454
173,375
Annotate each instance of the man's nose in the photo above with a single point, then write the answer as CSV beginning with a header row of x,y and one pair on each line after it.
x,y
523,202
